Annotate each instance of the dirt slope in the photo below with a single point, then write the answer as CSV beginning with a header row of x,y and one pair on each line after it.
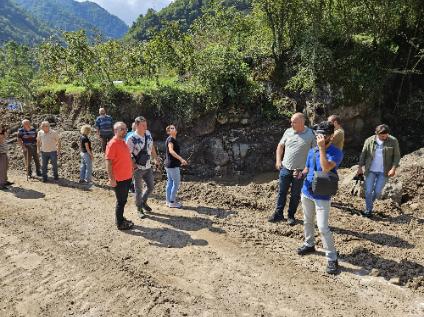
x,y
61,255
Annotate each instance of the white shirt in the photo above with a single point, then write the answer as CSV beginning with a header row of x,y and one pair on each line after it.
x,y
377,164
136,143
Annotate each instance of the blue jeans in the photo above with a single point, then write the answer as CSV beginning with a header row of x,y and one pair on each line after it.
x,y
287,180
86,168
374,184
45,158
173,183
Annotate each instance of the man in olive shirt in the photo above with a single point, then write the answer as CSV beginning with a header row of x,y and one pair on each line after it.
x,y
290,160
338,137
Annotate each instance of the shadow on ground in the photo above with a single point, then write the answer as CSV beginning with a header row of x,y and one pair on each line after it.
x,y
166,237
23,193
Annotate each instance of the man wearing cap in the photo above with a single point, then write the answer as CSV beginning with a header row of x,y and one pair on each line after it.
x,y
338,137
379,159
142,149
104,124
290,160
325,157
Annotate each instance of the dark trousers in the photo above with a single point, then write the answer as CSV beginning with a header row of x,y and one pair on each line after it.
x,y
45,158
285,182
121,193
4,165
105,139
30,151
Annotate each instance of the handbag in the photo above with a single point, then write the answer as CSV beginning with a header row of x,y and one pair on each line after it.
x,y
142,156
324,183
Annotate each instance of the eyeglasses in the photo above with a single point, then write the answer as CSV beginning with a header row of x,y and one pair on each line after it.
x,y
172,128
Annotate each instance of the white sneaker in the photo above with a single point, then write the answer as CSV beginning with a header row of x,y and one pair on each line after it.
x,y
175,205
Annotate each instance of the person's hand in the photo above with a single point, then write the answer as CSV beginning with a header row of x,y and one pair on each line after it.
x,y
112,182
184,162
156,161
278,164
392,172
92,157
360,171
321,141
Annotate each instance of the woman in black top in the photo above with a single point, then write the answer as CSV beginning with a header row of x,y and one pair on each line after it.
x,y
86,154
173,161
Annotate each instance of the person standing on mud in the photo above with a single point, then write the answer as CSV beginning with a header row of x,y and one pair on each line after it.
x,y
338,137
379,159
27,139
48,144
142,149
119,169
293,150
173,161
326,157
4,159
104,125
86,167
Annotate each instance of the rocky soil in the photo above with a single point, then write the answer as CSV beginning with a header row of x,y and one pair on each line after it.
x,y
218,256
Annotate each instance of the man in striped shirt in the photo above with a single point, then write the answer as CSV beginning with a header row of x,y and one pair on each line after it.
x,y
27,139
104,125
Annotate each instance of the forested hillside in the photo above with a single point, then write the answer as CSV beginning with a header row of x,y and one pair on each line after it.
x,y
70,15
184,12
17,25
361,59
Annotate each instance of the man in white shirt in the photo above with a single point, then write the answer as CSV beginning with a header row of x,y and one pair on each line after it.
x,y
379,160
48,144
142,149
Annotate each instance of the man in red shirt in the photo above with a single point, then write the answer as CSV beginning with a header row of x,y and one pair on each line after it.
x,y
119,169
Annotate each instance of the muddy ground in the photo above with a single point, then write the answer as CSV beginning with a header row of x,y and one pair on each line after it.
x,y
218,256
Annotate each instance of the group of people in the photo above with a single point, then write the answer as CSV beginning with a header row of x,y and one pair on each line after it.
x,y
301,152
129,159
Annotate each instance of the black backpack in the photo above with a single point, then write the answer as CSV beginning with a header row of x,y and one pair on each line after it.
x,y
142,156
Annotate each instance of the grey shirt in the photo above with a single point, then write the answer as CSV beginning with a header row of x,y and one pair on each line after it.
x,y
296,147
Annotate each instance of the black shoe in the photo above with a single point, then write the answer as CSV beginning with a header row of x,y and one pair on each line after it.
x,y
44,180
146,207
276,217
56,178
39,174
141,213
291,221
125,225
8,183
366,214
3,187
304,249
332,267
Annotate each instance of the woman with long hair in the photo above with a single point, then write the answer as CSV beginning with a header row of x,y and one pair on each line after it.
x,y
173,161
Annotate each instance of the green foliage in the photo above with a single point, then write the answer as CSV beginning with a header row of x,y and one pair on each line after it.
x,y
70,16
184,12
17,70
18,26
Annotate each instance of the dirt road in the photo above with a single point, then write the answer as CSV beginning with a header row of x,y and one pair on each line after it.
x,y
62,255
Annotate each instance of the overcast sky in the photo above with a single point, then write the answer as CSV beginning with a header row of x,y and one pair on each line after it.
x,y
129,10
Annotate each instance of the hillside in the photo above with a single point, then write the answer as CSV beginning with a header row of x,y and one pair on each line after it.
x,y
17,25
182,11
70,15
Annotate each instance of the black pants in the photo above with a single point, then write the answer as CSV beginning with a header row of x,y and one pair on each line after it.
x,y
105,139
121,193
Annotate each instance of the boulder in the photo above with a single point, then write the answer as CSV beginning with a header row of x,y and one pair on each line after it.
x,y
217,154
205,125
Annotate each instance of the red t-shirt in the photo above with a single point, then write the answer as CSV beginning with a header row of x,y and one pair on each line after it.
x,y
118,152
